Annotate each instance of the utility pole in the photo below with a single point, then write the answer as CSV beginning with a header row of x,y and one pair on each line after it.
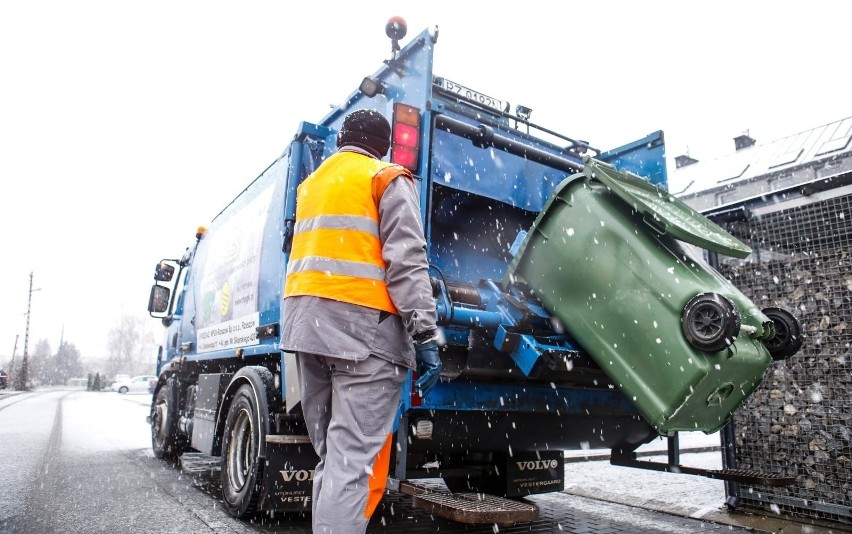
x,y
23,378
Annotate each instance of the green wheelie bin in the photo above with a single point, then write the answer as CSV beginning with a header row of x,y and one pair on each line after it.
x,y
617,261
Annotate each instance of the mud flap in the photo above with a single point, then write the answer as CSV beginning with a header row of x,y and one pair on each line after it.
x,y
289,473
532,472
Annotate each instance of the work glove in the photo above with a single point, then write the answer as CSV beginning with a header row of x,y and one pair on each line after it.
x,y
428,366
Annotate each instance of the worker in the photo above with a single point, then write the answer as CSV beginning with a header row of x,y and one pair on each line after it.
x,y
359,313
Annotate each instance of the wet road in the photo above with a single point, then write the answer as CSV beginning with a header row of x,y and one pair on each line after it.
x,y
77,461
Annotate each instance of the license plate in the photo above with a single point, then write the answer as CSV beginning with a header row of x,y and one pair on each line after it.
x,y
470,94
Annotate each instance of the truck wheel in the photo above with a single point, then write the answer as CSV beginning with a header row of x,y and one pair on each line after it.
x,y
242,470
710,322
166,441
788,334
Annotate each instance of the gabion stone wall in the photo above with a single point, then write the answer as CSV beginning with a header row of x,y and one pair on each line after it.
x,y
799,421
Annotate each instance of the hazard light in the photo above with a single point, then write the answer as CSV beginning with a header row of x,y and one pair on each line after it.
x,y
405,141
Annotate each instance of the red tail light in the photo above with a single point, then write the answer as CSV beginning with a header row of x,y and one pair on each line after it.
x,y
405,141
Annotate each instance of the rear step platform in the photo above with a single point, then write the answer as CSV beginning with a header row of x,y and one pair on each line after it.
x,y
744,476
470,508
201,465
626,457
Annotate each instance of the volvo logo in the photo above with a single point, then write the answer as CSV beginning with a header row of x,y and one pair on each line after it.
x,y
299,475
536,465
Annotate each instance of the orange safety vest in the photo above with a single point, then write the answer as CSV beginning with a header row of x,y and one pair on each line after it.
x,y
336,251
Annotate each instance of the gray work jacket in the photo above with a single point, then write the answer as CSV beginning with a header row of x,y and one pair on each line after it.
x,y
343,330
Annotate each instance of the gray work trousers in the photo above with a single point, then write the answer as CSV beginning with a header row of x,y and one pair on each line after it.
x,y
349,410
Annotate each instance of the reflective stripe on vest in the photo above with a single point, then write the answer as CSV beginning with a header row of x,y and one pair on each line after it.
x,y
336,251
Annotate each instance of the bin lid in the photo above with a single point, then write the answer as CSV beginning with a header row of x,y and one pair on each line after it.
x,y
665,213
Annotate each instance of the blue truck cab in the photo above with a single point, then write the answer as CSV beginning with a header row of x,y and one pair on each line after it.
x,y
517,390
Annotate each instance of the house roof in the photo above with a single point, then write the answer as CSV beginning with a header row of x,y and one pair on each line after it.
x,y
761,160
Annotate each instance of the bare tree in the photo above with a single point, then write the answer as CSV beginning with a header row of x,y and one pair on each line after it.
x,y
41,370
130,345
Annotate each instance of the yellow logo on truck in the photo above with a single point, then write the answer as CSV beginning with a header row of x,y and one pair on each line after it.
x,y
225,299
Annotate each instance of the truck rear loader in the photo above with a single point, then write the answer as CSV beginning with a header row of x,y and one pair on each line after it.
x,y
575,301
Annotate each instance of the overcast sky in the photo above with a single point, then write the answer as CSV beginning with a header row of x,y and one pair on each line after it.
x,y
125,125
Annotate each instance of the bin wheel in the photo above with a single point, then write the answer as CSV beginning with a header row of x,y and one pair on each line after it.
x,y
710,322
788,334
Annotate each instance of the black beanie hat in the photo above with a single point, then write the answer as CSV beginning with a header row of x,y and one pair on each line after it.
x,y
366,129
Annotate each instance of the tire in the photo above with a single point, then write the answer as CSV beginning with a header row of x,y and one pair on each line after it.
x,y
122,390
166,440
788,334
242,469
710,322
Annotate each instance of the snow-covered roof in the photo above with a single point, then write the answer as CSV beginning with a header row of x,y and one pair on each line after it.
x,y
759,162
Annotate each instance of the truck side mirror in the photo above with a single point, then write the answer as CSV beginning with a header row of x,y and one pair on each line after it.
x,y
164,272
158,302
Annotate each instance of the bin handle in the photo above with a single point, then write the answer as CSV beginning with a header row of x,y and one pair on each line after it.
x,y
655,224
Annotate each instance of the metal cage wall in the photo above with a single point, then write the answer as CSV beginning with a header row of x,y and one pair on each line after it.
x,y
799,421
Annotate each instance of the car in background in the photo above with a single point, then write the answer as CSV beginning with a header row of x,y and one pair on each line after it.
x,y
136,384
4,379
118,379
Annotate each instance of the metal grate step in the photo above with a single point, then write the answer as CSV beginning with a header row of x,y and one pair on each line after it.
x,y
745,476
748,476
200,465
470,508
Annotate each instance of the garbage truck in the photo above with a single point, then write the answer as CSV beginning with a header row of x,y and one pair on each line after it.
x,y
576,305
